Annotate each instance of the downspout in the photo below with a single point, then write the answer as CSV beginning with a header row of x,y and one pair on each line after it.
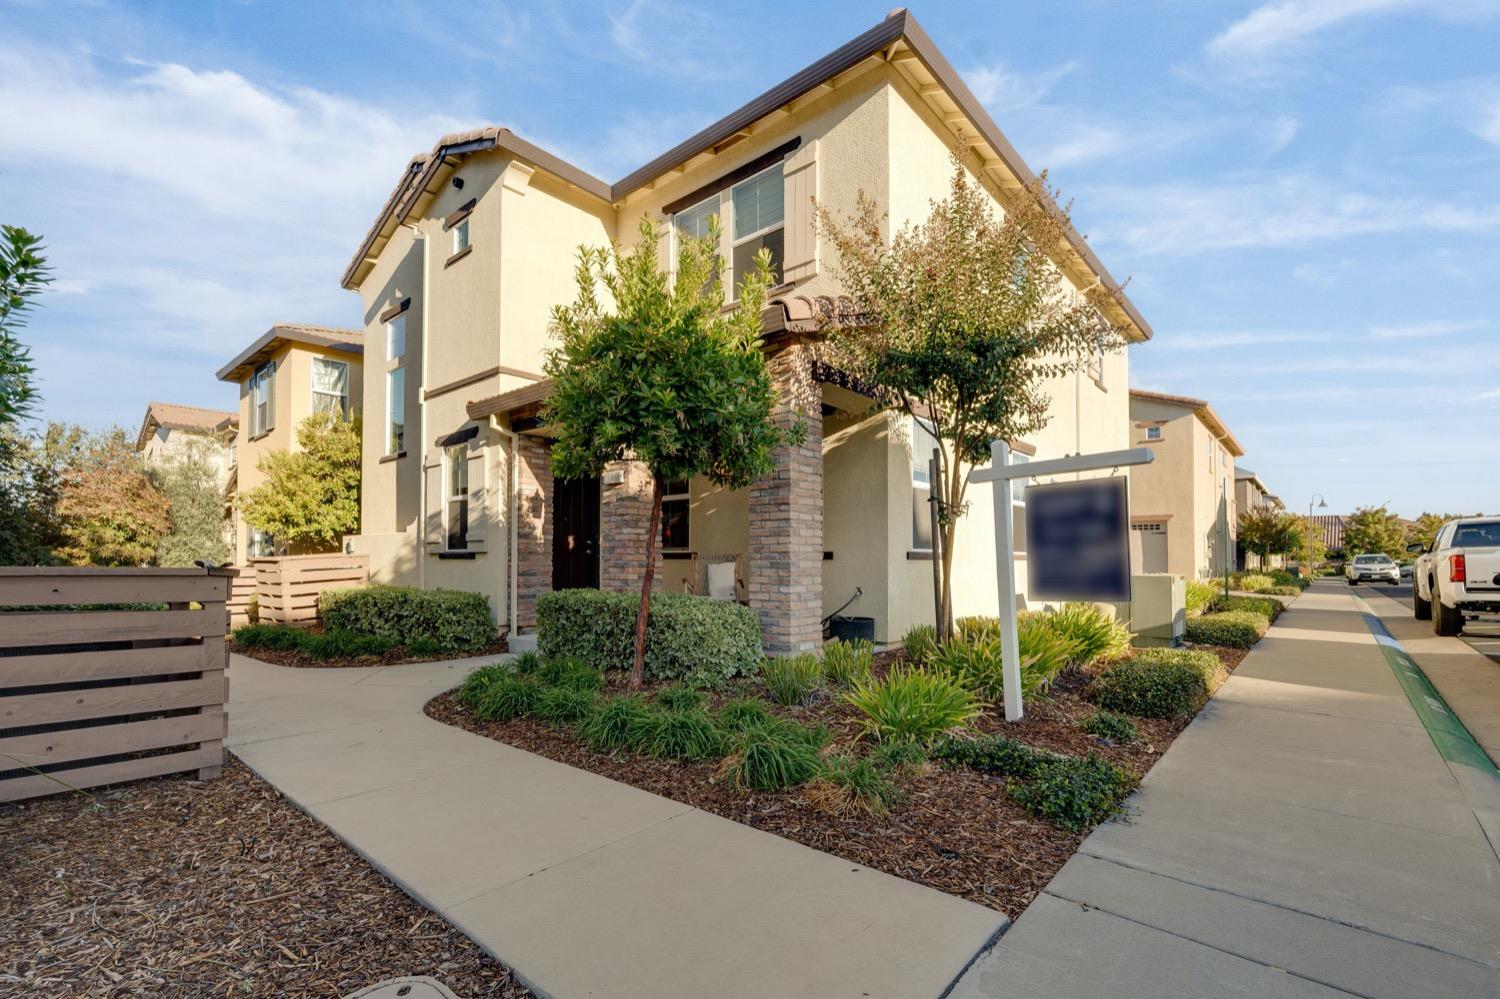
x,y
511,510
421,440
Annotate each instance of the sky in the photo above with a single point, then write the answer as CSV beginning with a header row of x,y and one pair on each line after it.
x,y
1304,194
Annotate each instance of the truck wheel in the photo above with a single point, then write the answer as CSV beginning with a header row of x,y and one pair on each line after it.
x,y
1353,582
1446,621
1420,609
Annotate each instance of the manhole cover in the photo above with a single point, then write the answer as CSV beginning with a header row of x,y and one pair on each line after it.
x,y
415,987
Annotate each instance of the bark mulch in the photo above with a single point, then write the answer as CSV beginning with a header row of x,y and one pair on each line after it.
x,y
180,888
397,656
955,830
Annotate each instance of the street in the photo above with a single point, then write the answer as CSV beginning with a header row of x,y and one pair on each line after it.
x,y
1482,636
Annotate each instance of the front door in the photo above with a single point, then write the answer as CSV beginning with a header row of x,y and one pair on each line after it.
x,y
575,534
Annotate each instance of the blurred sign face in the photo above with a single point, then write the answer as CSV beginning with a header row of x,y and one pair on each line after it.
x,y
1078,541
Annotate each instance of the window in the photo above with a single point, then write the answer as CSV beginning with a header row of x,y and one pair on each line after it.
x,y
758,206
458,498
675,504
461,237
330,387
262,399
260,544
922,444
395,385
1018,501
1096,365
1153,433
693,223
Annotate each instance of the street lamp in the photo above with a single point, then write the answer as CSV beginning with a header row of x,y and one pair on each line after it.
x,y
1317,498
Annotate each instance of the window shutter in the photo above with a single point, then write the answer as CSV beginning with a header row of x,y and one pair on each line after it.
x,y
478,496
270,398
432,478
802,243
665,261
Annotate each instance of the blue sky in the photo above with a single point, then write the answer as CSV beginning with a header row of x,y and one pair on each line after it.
x,y
1304,193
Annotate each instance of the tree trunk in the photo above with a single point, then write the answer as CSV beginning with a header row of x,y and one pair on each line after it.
x,y
638,668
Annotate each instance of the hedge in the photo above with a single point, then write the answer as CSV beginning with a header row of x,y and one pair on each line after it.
x,y
1156,686
1208,665
694,638
1237,629
1267,607
450,620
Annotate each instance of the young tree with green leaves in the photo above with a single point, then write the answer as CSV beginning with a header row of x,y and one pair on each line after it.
x,y
1267,531
23,274
652,369
110,512
310,497
1311,548
32,467
1423,530
962,321
189,479
1374,530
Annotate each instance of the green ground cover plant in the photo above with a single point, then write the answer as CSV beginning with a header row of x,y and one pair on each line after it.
x,y
611,725
1075,792
765,759
1108,725
793,679
1234,629
1158,686
1197,595
1267,607
920,642
847,664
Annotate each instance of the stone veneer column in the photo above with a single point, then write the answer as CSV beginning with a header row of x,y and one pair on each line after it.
x,y
624,521
786,517
534,526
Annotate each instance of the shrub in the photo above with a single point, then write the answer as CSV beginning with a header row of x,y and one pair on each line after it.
x,y
920,642
1198,595
343,645
977,662
686,735
848,782
914,704
454,620
1252,582
280,637
744,713
680,697
976,628
528,662
1208,665
1150,688
1075,792
1267,607
1095,631
564,704
613,723
847,664
1235,629
687,638
1289,579
816,736
994,754
792,679
565,672
1282,590
767,760
1108,725
509,697
477,682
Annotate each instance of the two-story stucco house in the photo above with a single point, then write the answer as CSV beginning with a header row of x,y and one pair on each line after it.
x,y
287,374
1251,494
1183,508
476,244
169,429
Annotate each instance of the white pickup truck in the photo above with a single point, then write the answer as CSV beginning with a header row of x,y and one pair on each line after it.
x,y
1459,575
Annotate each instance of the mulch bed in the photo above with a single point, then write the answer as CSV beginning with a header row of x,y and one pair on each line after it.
x,y
175,887
955,830
397,656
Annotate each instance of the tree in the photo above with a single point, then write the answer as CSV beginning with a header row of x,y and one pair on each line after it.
x,y
1311,549
1267,531
960,321
1374,530
195,506
310,496
663,376
1423,530
111,513
31,478
23,274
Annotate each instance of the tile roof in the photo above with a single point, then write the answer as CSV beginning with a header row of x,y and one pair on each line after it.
x,y
178,416
346,340
1201,409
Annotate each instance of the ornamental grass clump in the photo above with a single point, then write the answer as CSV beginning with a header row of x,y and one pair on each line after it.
x,y
480,680
564,704
1197,595
743,713
509,697
565,671
764,759
914,704
1110,726
610,727
920,642
1093,630
975,659
793,680
851,783
685,735
680,697
847,664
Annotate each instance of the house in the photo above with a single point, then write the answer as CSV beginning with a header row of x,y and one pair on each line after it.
x,y
1332,526
171,429
287,374
1183,505
1251,494
477,242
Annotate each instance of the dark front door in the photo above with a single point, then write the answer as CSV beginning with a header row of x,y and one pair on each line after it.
x,y
575,534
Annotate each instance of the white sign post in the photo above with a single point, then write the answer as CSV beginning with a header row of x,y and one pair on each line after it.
x,y
999,475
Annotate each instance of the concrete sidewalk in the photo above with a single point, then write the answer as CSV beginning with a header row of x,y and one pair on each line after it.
x,y
586,887
1302,838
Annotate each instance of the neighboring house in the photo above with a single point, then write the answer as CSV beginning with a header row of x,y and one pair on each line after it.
x,y
1251,494
1184,503
169,429
1332,525
477,243
289,373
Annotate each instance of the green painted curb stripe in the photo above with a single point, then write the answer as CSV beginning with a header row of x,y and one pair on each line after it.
x,y
1453,741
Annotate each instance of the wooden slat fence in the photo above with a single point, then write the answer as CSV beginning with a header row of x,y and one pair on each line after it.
x,y
241,594
287,588
109,675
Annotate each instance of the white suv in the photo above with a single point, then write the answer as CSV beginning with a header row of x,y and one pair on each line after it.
x,y
1372,569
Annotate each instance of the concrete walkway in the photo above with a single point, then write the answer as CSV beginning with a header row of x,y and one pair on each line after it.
x,y
586,887
1302,838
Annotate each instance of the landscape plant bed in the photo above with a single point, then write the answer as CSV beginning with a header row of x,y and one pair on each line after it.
x,y
397,655
180,888
954,829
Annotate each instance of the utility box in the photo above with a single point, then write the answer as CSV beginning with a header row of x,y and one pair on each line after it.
x,y
1157,612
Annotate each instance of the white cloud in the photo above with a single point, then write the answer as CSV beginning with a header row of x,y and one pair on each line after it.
x,y
1279,133
1002,89
1269,29
1221,341
1473,103
1427,330
677,40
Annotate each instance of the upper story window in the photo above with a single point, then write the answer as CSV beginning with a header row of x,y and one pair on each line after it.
x,y
395,338
262,388
1096,365
461,237
395,385
330,387
1153,433
675,507
458,498
758,206
693,222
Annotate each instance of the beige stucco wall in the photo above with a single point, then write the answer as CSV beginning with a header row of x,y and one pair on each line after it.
x,y
1183,488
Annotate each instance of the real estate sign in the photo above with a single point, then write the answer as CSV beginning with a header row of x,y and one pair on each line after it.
x,y
1078,541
